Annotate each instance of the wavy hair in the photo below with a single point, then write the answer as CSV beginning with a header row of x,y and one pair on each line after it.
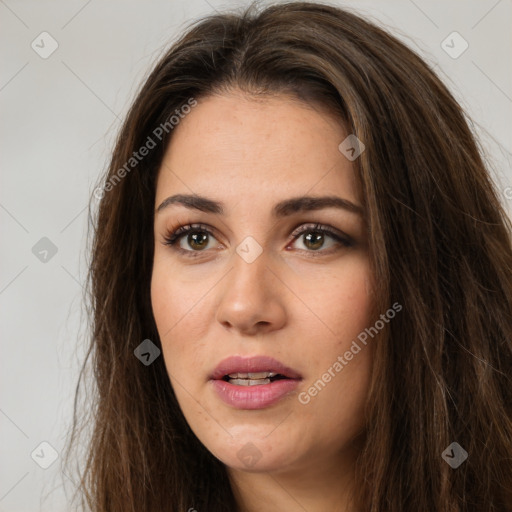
x,y
440,245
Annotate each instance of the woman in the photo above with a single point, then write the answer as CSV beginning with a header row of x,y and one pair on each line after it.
x,y
301,282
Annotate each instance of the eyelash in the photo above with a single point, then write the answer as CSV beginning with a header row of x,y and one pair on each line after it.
x,y
172,238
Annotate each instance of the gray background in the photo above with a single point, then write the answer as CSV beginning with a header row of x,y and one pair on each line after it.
x,y
59,119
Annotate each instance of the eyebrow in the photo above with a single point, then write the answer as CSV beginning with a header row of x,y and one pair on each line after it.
x,y
282,209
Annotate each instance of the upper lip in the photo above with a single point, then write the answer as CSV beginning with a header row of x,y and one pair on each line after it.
x,y
254,364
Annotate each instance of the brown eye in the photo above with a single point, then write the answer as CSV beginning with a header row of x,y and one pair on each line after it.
x,y
317,239
314,241
197,240
314,238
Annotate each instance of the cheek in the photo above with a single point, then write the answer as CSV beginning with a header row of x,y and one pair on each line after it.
x,y
346,309
173,299
344,303
179,308
351,309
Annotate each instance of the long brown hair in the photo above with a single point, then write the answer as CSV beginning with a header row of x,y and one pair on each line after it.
x,y
440,245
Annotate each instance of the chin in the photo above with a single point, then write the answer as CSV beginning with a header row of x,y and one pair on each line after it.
x,y
251,448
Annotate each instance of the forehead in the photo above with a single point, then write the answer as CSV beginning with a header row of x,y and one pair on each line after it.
x,y
235,146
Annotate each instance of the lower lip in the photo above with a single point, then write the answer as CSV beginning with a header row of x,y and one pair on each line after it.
x,y
254,397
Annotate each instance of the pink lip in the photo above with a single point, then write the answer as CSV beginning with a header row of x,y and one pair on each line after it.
x,y
239,364
253,397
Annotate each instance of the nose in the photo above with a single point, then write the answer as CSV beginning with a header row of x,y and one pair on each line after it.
x,y
252,298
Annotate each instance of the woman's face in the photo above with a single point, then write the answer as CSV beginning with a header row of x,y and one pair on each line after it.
x,y
257,290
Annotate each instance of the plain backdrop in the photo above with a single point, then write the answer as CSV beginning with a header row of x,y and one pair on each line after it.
x,y
59,117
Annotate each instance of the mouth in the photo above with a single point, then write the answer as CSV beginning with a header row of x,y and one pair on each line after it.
x,y
249,371
253,378
253,382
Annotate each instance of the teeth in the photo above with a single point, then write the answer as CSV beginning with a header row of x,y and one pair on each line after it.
x,y
249,382
254,375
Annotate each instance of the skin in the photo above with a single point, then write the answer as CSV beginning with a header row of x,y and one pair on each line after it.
x,y
302,306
